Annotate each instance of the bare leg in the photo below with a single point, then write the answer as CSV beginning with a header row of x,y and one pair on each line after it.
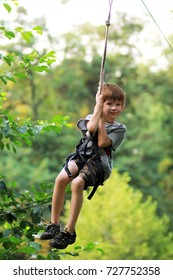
x,y
76,203
62,180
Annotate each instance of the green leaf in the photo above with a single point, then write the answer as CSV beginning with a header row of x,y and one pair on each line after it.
x,y
78,248
9,59
50,61
101,251
7,245
36,214
26,250
19,29
3,186
15,2
27,36
37,246
1,145
9,34
23,224
38,29
7,7
10,217
41,68
8,146
21,75
91,246
14,149
31,56
47,57
15,240
10,77
4,239
3,79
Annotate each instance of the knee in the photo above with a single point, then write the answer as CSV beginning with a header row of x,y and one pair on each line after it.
x,y
60,179
77,185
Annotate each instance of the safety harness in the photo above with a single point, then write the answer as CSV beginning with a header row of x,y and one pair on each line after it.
x,y
81,152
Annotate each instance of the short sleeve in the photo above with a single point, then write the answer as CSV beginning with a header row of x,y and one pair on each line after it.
x,y
117,135
82,124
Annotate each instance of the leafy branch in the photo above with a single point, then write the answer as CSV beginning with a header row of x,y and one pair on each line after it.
x,y
16,132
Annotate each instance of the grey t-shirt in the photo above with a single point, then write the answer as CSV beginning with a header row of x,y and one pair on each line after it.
x,y
116,132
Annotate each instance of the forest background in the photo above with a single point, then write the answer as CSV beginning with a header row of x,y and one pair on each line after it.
x,y
45,89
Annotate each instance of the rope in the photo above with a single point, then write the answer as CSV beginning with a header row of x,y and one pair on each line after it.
x,y
102,69
157,26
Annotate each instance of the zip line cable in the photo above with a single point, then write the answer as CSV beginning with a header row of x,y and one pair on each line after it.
x,y
157,25
102,69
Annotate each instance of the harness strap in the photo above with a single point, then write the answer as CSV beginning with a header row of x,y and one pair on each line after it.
x,y
99,181
66,165
70,157
67,169
83,144
92,192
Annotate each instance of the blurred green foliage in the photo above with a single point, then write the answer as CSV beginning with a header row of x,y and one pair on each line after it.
x,y
125,226
43,93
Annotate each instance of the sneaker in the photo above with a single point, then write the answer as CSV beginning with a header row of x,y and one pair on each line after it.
x,y
50,232
63,239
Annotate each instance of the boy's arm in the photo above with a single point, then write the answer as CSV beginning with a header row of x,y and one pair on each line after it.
x,y
97,122
93,123
103,139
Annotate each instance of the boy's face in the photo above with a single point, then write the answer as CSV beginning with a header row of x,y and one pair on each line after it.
x,y
111,110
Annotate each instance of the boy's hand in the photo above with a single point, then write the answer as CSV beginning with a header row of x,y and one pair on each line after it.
x,y
97,94
99,99
99,104
93,123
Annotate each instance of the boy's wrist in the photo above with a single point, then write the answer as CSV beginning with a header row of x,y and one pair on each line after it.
x,y
98,107
102,120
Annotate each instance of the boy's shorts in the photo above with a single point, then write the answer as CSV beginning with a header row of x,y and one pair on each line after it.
x,y
90,171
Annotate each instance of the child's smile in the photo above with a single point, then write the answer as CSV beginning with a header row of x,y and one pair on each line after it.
x,y
111,110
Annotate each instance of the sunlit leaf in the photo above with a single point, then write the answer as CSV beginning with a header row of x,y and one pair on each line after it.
x,y
100,250
78,248
10,77
9,34
40,68
15,2
7,7
21,75
3,79
15,240
38,29
19,29
27,36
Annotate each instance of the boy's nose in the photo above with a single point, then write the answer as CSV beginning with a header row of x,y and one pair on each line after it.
x,y
113,107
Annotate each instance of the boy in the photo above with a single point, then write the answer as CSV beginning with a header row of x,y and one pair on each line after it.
x,y
91,165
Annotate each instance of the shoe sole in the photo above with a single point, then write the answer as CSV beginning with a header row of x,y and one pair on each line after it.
x,y
59,246
46,237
